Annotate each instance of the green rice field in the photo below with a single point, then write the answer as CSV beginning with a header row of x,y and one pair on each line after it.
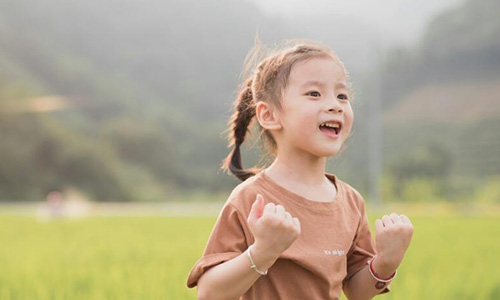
x,y
149,257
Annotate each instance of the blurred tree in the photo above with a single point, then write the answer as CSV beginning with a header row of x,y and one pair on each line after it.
x,y
431,161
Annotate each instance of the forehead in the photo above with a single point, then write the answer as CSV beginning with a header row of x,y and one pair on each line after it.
x,y
317,70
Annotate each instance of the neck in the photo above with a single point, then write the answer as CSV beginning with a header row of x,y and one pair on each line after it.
x,y
298,167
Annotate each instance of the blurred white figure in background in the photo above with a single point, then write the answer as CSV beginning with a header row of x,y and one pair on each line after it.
x,y
70,204
55,202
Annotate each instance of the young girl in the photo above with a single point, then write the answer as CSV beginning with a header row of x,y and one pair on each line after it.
x,y
292,231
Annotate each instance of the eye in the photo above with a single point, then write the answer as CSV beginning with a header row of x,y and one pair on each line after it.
x,y
343,97
314,93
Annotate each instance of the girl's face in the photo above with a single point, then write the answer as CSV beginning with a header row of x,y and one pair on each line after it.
x,y
316,93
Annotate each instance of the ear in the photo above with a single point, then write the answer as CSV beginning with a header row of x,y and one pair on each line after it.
x,y
267,116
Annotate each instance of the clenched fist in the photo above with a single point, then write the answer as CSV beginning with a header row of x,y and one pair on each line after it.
x,y
393,236
274,228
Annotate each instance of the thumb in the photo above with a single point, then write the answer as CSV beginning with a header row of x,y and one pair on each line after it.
x,y
257,209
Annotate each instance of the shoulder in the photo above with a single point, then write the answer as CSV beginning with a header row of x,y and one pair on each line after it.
x,y
352,197
243,195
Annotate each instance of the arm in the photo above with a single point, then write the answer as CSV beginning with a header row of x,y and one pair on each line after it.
x,y
233,278
393,235
361,286
275,230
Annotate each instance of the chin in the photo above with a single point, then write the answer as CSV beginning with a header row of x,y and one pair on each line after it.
x,y
330,152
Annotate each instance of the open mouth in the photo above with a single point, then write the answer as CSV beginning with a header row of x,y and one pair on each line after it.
x,y
330,128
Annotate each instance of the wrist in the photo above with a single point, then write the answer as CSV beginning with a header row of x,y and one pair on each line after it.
x,y
382,267
263,257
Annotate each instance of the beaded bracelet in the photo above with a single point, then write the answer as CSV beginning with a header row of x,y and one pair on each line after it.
x,y
253,266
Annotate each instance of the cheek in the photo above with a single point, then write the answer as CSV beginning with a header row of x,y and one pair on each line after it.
x,y
301,121
349,120
308,124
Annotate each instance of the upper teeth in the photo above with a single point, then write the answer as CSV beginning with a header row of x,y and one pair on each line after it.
x,y
334,125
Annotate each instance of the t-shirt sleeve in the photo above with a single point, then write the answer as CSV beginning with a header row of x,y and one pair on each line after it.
x,y
363,248
227,240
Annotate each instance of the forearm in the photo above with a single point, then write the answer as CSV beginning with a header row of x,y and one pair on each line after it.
x,y
362,285
233,278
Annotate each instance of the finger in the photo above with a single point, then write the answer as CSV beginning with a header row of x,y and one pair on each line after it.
x,y
257,209
296,224
406,220
387,221
269,209
288,218
280,211
379,225
395,218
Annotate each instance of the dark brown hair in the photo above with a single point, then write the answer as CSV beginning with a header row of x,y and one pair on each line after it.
x,y
267,81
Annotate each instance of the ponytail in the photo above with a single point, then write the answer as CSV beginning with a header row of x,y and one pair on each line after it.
x,y
244,112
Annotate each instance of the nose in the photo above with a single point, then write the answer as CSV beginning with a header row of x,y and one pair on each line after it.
x,y
334,106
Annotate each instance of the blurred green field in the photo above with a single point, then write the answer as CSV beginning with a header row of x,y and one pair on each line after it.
x,y
451,257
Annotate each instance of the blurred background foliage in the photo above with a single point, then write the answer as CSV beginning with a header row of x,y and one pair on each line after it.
x,y
95,96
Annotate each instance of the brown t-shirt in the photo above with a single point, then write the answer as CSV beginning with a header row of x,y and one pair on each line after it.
x,y
335,241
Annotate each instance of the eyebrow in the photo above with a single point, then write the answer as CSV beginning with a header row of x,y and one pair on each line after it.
x,y
321,83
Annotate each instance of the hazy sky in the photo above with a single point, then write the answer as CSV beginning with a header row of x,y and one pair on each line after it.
x,y
410,16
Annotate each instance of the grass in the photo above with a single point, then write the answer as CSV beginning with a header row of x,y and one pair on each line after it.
x,y
451,257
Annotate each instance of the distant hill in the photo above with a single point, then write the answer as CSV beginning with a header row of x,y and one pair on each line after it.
x,y
441,100
150,84
455,103
137,81
460,45
463,118
127,100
